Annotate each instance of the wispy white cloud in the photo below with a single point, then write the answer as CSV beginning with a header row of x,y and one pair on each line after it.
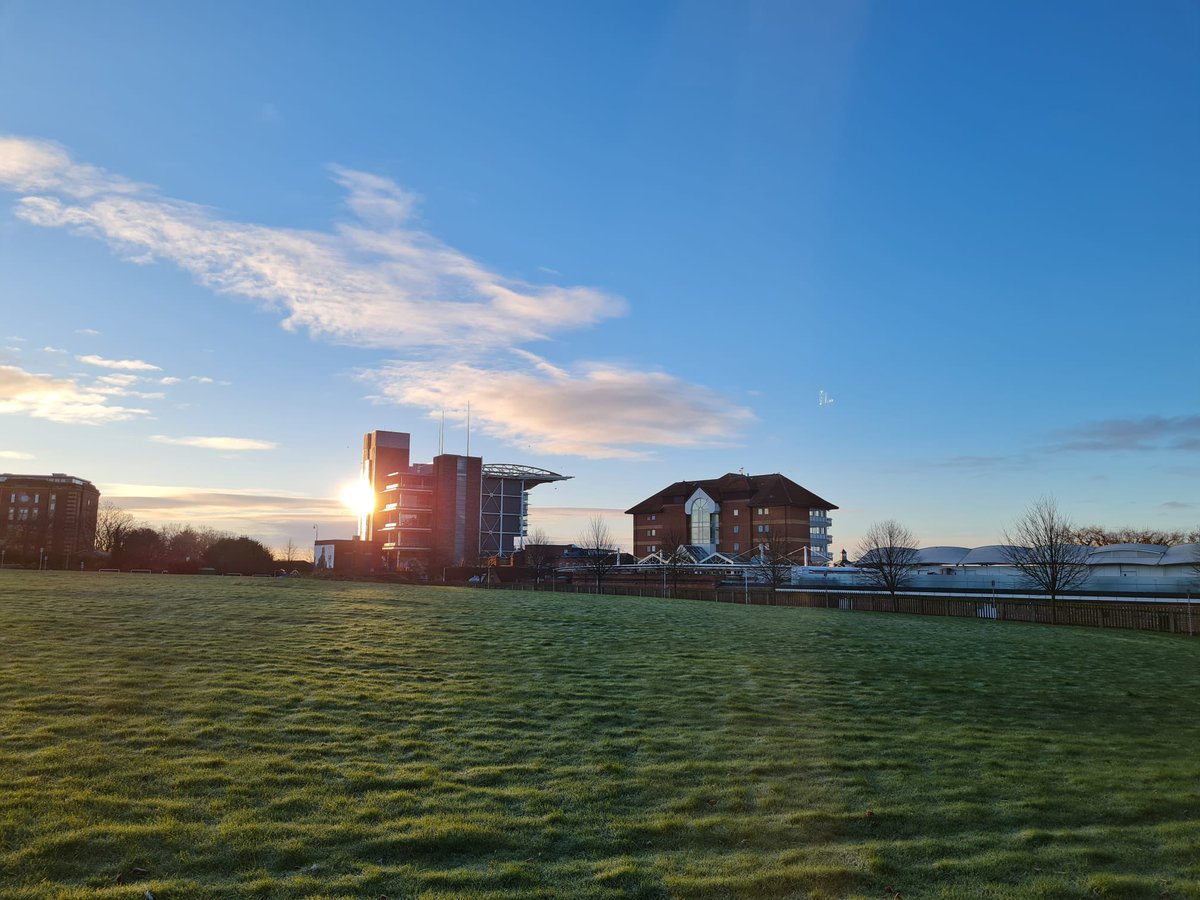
x,y
595,410
169,379
120,380
377,281
58,399
88,331
380,280
133,365
215,443
15,454
49,349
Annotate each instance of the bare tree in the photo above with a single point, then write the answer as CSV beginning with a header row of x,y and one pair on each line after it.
x,y
887,556
1041,546
112,524
1099,536
600,557
673,554
773,560
539,554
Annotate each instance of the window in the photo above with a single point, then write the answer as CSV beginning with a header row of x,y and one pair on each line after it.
x,y
651,532
736,528
653,548
736,511
701,522
653,518
23,515
737,547
763,529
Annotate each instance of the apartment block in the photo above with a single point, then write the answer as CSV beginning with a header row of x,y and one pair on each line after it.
x,y
48,520
734,515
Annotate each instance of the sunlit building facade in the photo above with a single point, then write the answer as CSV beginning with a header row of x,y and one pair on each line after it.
x,y
733,515
450,511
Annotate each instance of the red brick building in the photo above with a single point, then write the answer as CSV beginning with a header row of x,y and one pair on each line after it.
x,y
48,520
733,515
452,511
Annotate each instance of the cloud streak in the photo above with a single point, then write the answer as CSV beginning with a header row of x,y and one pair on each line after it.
x,y
248,511
129,365
215,443
1151,433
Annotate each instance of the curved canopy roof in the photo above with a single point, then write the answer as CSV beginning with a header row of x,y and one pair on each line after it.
x,y
530,474
1135,554
1181,554
988,555
941,556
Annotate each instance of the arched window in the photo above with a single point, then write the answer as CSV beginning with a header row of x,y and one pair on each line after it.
x,y
701,522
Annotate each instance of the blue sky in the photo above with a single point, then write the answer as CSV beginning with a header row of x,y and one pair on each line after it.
x,y
641,239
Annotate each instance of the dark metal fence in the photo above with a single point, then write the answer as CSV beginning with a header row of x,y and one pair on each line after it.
x,y
1175,617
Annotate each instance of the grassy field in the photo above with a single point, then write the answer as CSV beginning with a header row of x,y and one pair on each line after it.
x,y
283,738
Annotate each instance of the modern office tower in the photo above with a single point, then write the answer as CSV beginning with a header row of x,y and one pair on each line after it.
x,y
450,511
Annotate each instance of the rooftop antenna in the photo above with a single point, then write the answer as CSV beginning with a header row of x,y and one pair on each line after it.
x,y
442,434
468,428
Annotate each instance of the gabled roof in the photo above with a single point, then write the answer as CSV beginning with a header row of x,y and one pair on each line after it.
x,y
757,490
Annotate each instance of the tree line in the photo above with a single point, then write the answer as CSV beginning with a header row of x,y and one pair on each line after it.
x,y
180,549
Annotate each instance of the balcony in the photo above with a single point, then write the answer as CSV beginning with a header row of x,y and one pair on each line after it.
x,y
819,521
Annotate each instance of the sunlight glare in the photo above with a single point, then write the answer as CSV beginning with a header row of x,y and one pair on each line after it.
x,y
359,497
